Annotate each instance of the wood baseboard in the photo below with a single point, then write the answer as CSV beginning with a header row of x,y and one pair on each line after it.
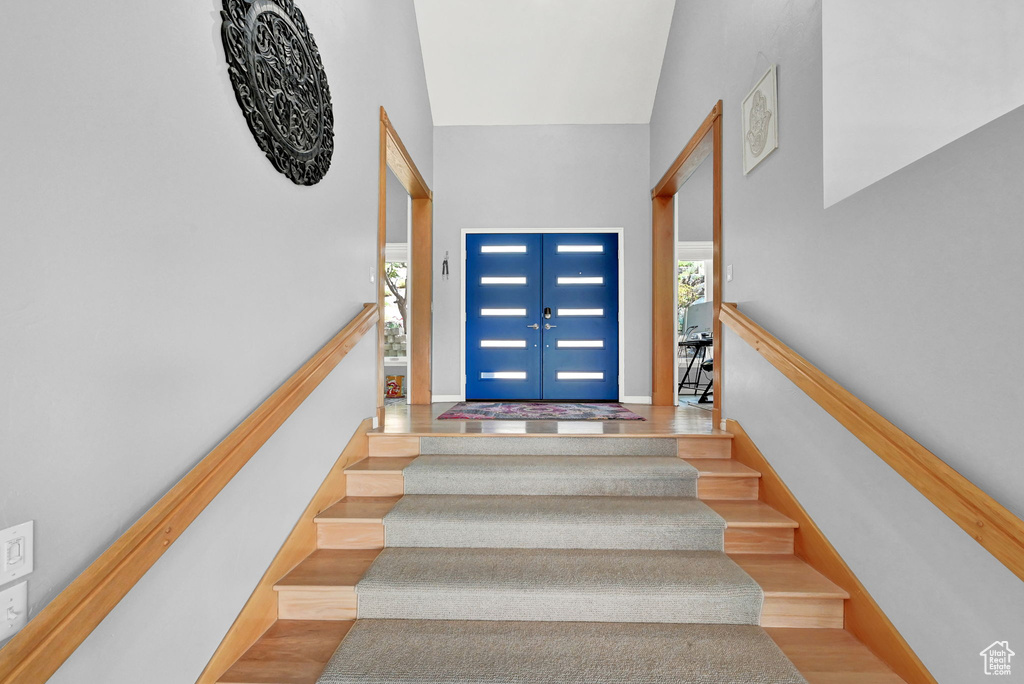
x,y
260,611
864,618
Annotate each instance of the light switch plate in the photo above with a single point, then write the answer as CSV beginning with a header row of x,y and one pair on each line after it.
x,y
13,610
16,552
728,272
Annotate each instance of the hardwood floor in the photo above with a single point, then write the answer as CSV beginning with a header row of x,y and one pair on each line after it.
x,y
661,421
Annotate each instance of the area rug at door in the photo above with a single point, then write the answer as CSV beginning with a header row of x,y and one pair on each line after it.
x,y
531,410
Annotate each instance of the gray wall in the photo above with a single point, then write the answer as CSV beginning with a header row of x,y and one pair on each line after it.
x,y
695,203
398,210
880,291
542,177
158,280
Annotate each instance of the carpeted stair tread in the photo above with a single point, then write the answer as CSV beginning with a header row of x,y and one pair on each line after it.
x,y
559,584
574,522
551,475
442,652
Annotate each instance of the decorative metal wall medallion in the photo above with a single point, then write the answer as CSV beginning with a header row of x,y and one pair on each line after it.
x,y
280,84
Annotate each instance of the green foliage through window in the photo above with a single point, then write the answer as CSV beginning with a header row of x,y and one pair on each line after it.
x,y
691,283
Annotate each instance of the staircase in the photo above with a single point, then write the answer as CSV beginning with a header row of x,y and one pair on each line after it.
x,y
555,559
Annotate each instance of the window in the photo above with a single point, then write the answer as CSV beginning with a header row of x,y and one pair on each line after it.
x,y
692,283
395,296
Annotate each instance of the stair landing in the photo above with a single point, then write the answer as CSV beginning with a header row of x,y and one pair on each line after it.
x,y
661,421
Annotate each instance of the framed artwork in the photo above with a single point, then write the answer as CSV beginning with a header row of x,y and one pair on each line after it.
x,y
760,121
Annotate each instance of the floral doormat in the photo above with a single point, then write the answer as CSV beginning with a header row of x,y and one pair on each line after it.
x,y
535,410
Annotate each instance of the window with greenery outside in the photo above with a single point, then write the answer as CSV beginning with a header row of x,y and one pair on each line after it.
x,y
691,283
395,298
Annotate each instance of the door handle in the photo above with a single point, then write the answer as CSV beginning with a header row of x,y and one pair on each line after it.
x,y
548,326
535,326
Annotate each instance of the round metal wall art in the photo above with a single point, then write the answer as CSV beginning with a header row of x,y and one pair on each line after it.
x,y
279,80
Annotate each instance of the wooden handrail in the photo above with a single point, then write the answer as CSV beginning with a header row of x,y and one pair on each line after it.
x,y
35,653
998,530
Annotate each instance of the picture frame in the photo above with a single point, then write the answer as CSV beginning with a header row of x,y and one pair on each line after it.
x,y
760,119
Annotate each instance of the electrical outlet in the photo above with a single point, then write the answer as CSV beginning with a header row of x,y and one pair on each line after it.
x,y
16,552
13,610
728,272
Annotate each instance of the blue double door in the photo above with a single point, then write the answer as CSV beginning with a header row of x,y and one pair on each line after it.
x,y
542,316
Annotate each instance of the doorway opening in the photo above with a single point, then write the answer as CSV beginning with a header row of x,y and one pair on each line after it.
x,y
677,277
398,294
397,170
541,315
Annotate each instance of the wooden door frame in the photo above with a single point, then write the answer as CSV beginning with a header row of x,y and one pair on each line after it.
x,y
706,141
394,155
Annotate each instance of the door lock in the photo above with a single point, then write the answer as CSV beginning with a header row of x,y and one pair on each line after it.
x,y
535,326
547,312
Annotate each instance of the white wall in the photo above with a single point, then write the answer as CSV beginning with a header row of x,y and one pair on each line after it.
x,y
880,291
903,78
542,177
158,279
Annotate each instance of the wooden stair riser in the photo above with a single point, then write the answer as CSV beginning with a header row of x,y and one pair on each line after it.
x,y
370,535
711,488
341,603
316,603
709,447
759,539
373,483
393,445
351,535
381,445
802,612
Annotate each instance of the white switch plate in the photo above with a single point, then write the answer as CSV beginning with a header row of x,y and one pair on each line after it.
x,y
373,273
13,610
16,552
728,272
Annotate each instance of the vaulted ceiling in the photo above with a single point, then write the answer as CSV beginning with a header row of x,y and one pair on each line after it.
x,y
523,62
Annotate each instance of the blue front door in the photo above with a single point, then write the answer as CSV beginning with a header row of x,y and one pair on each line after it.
x,y
542,316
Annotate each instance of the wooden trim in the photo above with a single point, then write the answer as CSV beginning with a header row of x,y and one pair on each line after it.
x,y
401,163
705,142
864,619
382,232
717,343
260,611
998,530
663,323
394,155
683,166
36,652
422,260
